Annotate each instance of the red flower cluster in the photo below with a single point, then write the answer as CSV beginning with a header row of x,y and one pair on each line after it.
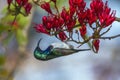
x,y
9,2
79,16
62,36
96,43
69,20
40,28
21,3
102,12
83,31
46,6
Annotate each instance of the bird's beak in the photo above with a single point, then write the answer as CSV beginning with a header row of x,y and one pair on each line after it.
x,y
39,42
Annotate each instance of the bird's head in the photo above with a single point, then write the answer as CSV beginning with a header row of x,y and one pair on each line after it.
x,y
50,48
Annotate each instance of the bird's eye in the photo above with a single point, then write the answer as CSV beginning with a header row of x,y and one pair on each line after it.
x,y
51,47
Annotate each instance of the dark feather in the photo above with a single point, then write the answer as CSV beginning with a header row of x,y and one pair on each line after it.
x,y
67,51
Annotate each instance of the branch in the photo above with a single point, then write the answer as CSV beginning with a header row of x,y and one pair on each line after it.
x,y
106,31
112,37
117,19
14,20
78,42
36,2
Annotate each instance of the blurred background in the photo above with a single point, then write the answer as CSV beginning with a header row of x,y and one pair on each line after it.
x,y
18,63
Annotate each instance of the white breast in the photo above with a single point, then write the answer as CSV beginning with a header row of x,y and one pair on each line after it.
x,y
61,45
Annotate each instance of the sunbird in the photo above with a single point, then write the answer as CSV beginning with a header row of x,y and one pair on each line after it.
x,y
51,52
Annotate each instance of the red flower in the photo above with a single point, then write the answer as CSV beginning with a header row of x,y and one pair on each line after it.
x,y
61,22
106,18
52,22
101,11
46,7
91,17
28,7
70,25
68,18
83,30
97,6
9,1
19,2
77,3
65,15
22,2
82,17
40,28
62,36
44,19
96,43
58,22
72,10
48,22
81,6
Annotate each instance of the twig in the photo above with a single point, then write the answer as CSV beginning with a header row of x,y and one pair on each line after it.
x,y
106,31
36,2
112,37
78,42
117,19
78,35
14,20
85,41
56,8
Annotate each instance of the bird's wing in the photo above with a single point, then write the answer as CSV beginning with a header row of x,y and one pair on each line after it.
x,y
63,51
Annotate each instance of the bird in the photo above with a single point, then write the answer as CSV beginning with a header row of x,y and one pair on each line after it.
x,y
50,52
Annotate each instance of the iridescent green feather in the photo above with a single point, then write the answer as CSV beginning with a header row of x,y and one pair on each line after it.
x,y
40,55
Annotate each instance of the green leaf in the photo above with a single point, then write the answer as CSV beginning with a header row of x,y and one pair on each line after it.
x,y
8,38
4,74
23,21
2,60
21,37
